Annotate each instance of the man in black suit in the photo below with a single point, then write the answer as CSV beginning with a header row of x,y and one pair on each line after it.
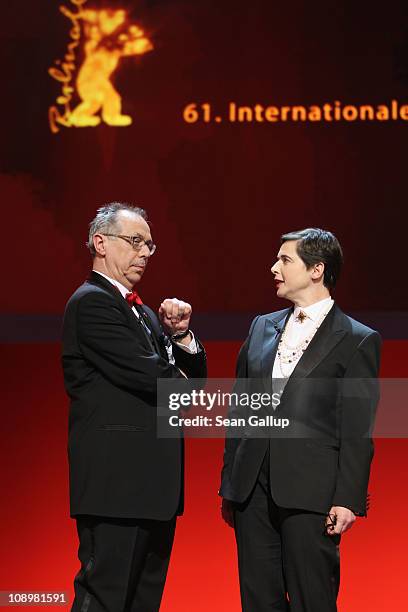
x,y
291,494
126,483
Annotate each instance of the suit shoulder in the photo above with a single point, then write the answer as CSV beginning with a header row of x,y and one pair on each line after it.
x,y
85,291
276,315
271,316
359,329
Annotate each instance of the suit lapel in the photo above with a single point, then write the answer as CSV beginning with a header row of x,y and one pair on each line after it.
x,y
325,339
100,281
156,332
272,334
328,335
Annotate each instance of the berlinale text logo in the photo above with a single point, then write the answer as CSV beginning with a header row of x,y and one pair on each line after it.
x,y
99,39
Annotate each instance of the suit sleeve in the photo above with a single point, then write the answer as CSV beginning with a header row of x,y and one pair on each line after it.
x,y
194,365
241,374
359,399
108,343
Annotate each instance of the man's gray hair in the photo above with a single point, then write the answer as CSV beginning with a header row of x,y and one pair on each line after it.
x,y
106,220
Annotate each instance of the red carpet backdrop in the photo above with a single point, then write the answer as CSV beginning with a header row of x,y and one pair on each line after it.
x,y
231,123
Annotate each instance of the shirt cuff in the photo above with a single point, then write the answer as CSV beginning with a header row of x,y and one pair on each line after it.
x,y
191,348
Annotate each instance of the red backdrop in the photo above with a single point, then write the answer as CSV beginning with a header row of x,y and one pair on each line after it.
x,y
39,540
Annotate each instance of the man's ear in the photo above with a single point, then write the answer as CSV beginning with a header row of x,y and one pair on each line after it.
x,y
318,271
99,244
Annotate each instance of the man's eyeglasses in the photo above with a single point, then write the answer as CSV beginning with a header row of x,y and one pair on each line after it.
x,y
136,242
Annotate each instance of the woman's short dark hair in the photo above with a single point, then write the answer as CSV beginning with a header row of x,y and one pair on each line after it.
x,y
316,245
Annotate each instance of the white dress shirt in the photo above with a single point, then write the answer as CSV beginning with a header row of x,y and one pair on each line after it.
x,y
189,348
297,332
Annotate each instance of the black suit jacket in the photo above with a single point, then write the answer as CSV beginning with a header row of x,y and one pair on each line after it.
x,y
324,457
118,465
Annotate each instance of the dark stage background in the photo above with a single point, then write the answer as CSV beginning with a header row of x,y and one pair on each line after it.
x,y
219,194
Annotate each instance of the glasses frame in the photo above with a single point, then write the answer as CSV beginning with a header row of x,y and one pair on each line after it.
x,y
136,246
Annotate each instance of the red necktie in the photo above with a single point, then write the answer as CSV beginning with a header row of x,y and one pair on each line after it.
x,y
133,299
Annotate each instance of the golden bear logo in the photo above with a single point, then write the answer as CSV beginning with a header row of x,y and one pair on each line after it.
x,y
105,36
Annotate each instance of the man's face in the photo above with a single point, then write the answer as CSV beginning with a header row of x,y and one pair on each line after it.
x,y
292,278
122,262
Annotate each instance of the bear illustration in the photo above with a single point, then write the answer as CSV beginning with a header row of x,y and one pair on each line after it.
x,y
107,38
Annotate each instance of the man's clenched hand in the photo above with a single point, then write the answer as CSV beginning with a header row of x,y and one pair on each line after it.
x,y
175,315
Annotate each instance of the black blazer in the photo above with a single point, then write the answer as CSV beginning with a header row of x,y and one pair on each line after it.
x,y
118,466
324,457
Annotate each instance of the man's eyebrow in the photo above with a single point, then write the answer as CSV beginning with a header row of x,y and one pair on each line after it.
x,y
282,255
139,235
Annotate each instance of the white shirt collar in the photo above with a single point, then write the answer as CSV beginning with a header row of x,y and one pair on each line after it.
x,y
314,311
123,290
